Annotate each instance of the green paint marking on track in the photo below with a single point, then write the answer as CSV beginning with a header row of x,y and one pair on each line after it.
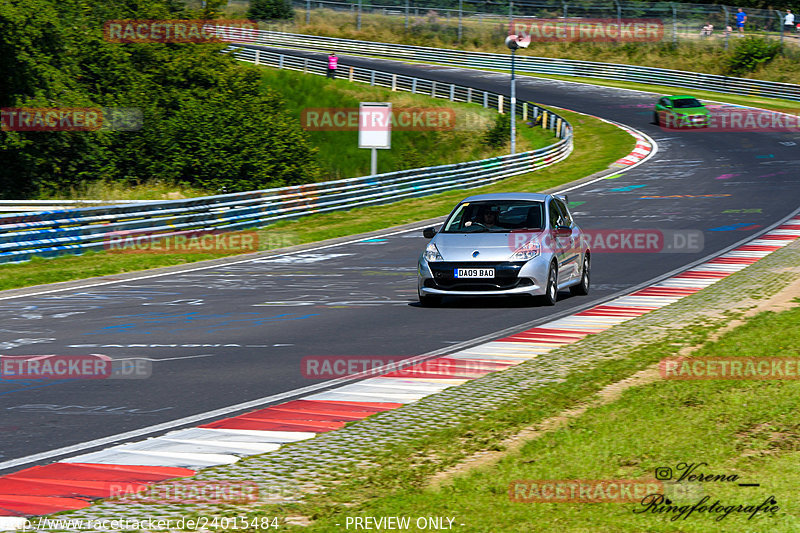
x,y
613,176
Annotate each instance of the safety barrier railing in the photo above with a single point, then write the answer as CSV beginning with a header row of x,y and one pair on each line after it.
x,y
465,19
58,232
27,206
530,64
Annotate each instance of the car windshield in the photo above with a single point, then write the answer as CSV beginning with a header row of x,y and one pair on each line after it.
x,y
495,216
685,103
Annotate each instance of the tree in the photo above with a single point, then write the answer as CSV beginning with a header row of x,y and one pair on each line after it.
x,y
270,10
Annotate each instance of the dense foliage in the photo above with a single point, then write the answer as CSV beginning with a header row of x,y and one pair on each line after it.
x,y
270,10
749,54
207,121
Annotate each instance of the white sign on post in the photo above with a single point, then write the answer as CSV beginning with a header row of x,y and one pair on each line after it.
x,y
375,129
375,125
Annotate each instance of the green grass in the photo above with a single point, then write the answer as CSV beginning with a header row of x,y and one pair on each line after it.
x,y
339,154
153,190
597,145
744,428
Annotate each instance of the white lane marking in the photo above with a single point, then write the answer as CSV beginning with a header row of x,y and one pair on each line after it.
x,y
165,359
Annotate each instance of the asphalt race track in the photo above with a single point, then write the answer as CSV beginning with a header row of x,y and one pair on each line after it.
x,y
221,336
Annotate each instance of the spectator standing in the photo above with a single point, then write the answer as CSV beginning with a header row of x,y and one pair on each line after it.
x,y
788,22
741,19
333,64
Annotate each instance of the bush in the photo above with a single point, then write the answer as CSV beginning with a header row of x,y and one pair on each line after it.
x,y
270,10
500,133
749,54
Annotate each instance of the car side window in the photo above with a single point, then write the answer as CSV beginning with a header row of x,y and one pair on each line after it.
x,y
567,220
555,215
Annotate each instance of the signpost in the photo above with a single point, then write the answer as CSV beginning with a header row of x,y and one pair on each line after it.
x,y
375,129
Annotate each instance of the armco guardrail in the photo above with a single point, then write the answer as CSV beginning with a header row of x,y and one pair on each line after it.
x,y
60,232
537,65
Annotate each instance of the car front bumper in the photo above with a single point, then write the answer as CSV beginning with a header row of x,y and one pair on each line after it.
x,y
511,278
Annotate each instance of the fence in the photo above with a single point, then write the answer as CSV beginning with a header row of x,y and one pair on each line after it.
x,y
59,232
537,65
462,19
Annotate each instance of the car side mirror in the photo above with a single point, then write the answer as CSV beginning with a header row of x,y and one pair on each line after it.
x,y
429,233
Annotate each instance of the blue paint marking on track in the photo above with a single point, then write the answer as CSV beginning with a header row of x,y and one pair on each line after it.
x,y
732,227
49,384
150,323
628,188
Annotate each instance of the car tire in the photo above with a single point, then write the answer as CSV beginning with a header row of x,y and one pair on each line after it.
x,y
656,120
582,288
429,301
551,288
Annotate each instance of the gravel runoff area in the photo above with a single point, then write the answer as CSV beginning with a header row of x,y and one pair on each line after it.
x,y
308,466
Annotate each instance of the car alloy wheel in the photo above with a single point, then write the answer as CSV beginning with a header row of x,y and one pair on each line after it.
x,y
582,289
551,289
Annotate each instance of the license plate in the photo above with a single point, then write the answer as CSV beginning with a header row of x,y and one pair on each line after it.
x,y
474,272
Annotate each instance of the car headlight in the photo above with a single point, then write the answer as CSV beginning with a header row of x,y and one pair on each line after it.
x,y
527,251
432,253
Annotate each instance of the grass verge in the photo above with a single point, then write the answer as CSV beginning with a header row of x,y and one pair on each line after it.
x,y
597,144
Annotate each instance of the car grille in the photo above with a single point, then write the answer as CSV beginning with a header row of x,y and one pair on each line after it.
x,y
505,276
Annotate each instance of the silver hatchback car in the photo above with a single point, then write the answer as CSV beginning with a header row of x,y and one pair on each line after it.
x,y
505,244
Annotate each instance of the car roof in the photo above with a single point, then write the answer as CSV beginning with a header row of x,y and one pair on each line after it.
x,y
529,196
679,96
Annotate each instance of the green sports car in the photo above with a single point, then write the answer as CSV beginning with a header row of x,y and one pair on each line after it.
x,y
680,111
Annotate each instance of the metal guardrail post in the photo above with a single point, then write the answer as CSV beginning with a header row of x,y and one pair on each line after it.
x,y
433,89
351,74
258,57
725,25
372,77
308,12
305,65
524,110
358,24
674,25
280,61
452,92
469,95
414,86
485,99
500,104
394,82
460,31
